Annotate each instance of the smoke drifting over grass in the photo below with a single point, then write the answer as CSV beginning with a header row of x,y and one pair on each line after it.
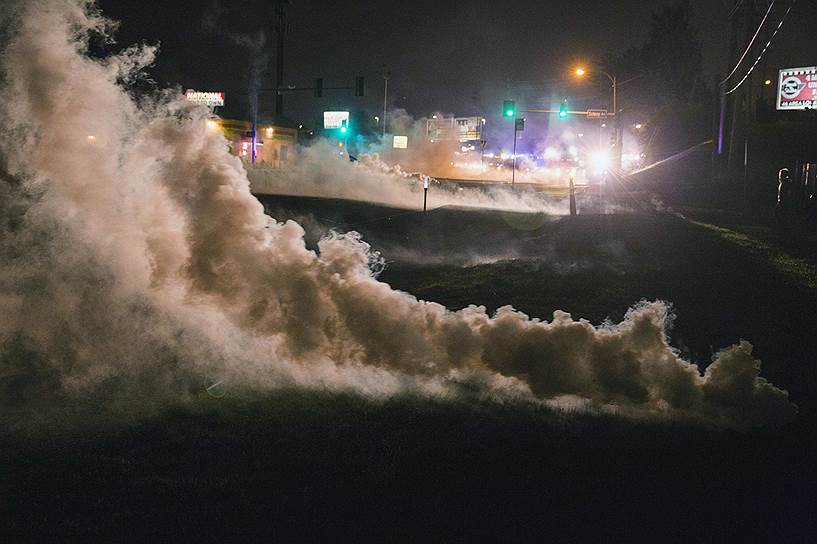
x,y
320,172
136,263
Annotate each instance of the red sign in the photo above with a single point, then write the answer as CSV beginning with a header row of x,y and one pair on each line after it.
x,y
797,89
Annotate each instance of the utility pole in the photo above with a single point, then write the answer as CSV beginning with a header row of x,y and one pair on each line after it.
x,y
619,128
280,30
386,76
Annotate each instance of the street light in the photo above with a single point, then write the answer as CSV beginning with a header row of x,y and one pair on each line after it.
x,y
581,72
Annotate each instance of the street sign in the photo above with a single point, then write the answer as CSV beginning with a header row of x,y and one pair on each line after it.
x,y
596,114
520,125
335,119
400,142
797,89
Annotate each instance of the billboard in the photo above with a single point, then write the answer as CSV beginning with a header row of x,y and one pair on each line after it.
x,y
454,128
335,119
400,142
204,98
797,89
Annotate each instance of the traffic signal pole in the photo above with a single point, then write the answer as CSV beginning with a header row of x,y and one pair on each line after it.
x,y
513,170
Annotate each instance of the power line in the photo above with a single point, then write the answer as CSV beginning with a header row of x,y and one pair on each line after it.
x,y
749,47
735,9
768,44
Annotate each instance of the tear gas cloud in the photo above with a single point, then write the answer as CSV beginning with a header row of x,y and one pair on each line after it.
x,y
392,177
321,172
135,262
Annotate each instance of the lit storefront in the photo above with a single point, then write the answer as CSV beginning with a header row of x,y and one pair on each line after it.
x,y
274,145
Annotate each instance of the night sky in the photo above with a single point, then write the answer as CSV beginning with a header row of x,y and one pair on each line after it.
x,y
456,57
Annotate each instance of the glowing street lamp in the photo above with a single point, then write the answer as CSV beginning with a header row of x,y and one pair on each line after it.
x,y
581,72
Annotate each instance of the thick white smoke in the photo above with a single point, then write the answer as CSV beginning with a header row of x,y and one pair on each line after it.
x,y
320,172
136,262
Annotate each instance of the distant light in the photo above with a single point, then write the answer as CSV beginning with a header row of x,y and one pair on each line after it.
x,y
300,126
604,125
580,72
269,132
211,124
581,135
91,139
767,82
639,126
343,130
600,161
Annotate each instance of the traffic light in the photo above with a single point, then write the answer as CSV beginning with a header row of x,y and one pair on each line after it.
x,y
563,110
343,126
509,108
360,86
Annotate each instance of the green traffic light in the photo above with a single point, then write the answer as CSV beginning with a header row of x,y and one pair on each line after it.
x,y
509,108
509,113
563,111
343,130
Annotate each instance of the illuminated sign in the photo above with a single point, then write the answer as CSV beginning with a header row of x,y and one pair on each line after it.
x,y
400,142
454,128
335,119
797,89
204,98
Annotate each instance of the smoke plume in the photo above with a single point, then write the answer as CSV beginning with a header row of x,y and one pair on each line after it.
x,y
136,262
321,172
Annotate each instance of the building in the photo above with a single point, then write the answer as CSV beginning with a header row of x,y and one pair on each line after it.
x,y
275,146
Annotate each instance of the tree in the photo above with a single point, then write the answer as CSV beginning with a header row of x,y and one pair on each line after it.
x,y
668,88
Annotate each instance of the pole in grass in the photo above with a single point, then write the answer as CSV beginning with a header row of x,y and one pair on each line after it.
x,y
425,192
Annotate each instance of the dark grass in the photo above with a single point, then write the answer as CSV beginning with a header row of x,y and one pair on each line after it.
x,y
296,465
300,465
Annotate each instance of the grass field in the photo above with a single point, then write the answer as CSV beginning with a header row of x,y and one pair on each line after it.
x,y
299,465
